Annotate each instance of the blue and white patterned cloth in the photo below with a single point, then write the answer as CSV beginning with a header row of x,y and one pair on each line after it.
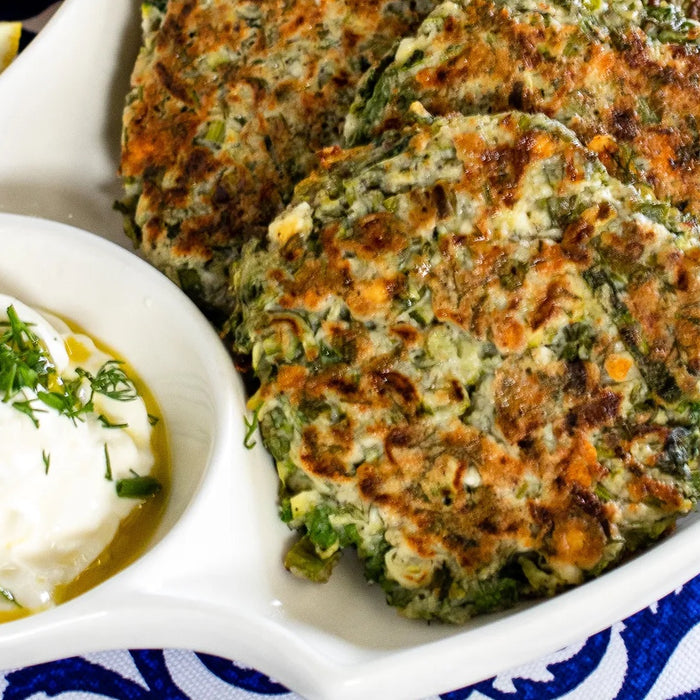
x,y
654,654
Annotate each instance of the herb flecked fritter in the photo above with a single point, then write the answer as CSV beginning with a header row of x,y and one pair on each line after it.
x,y
475,338
478,360
229,103
624,78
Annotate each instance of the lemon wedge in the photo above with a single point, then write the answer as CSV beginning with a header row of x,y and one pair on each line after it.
x,y
9,42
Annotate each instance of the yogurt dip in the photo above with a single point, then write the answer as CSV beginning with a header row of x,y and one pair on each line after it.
x,y
76,455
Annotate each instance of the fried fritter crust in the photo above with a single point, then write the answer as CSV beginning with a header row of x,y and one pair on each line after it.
x,y
478,362
229,103
629,96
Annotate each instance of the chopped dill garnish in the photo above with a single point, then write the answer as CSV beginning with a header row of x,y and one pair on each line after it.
x,y
106,423
24,363
108,464
28,410
66,402
111,381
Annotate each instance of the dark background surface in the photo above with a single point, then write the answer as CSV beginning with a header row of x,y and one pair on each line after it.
x,y
20,10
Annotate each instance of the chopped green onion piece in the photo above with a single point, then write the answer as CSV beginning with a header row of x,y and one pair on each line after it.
x,y
216,131
303,561
137,487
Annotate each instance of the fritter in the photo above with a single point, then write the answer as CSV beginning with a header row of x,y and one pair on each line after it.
x,y
478,358
229,102
624,78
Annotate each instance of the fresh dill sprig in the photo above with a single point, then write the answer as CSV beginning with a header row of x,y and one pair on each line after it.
x,y
111,381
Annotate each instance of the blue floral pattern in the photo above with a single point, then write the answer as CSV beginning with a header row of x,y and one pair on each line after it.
x,y
652,654
245,678
79,674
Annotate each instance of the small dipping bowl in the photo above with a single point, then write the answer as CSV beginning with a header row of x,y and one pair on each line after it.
x,y
126,305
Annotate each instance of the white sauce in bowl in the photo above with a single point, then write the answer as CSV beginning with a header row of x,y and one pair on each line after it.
x,y
60,468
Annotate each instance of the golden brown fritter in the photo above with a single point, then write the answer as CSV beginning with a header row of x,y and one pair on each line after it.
x,y
229,103
478,363
628,88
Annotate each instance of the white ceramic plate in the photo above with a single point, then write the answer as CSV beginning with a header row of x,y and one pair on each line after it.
x,y
213,581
